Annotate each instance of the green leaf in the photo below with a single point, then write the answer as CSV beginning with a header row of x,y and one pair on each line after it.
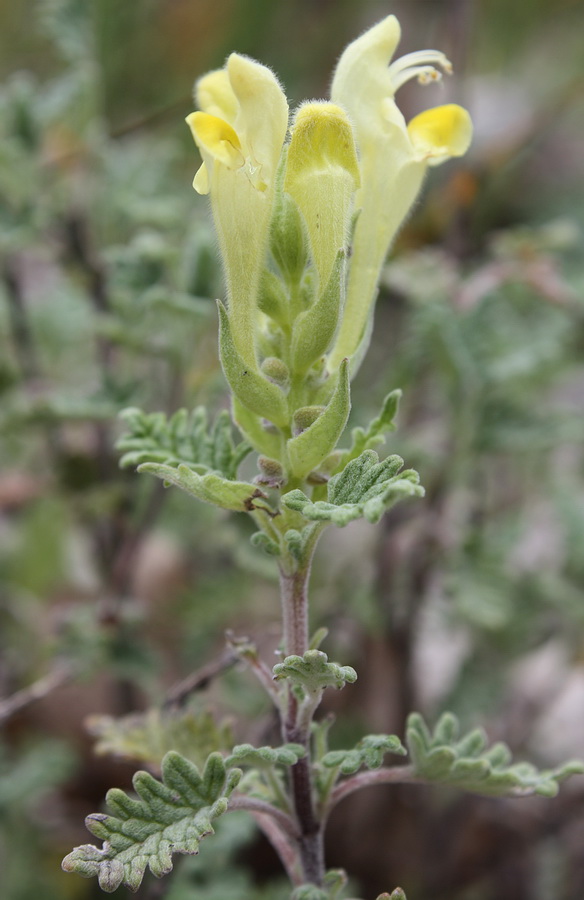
x,y
239,496
262,757
168,817
256,393
365,488
309,448
368,752
314,672
467,763
182,439
148,736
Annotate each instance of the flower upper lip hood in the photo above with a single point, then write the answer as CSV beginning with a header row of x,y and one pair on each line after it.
x,y
394,157
240,131
242,123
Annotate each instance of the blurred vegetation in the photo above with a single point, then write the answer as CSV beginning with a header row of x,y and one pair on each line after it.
x,y
112,590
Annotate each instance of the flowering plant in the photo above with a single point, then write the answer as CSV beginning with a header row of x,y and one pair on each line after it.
x,y
304,225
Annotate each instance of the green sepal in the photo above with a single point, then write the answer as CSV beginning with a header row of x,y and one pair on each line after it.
x,y
264,440
315,328
314,672
307,450
259,395
468,763
235,495
182,438
169,816
365,488
262,757
368,752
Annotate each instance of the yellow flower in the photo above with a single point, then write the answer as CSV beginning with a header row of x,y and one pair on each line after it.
x,y
322,173
394,158
240,132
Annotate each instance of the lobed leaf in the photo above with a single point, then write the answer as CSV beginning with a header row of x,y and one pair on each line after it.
x,y
314,672
467,762
147,736
170,816
260,757
183,439
365,488
368,752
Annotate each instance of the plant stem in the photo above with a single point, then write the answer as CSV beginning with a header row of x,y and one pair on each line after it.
x,y
294,593
394,775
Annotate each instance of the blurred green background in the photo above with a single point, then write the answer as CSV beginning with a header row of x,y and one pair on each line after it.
x,y
112,590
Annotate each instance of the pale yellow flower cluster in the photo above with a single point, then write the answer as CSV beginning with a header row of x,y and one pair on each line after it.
x,y
355,154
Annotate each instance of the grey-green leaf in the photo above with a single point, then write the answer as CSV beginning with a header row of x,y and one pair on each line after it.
x,y
239,496
170,816
368,752
465,762
262,757
365,488
314,672
183,439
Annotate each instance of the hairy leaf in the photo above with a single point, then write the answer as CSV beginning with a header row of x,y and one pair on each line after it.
x,y
364,489
239,496
368,752
148,736
467,762
314,672
169,816
260,757
182,439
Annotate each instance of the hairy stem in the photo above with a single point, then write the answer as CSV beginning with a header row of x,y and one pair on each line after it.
x,y
395,775
294,592
253,804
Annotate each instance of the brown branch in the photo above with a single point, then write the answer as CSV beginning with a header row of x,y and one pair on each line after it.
x,y
60,675
199,679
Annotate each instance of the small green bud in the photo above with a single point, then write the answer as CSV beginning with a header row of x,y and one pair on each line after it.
x,y
287,240
271,473
276,371
272,298
304,417
270,467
